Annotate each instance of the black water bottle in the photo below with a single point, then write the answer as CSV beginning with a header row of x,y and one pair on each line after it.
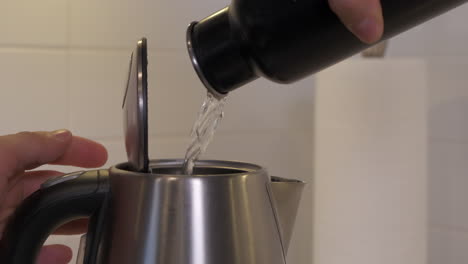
x,y
286,40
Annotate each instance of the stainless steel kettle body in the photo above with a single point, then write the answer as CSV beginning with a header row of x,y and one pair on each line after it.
x,y
227,212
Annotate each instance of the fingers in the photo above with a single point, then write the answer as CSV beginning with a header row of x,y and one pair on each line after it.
x,y
27,150
362,17
55,254
84,153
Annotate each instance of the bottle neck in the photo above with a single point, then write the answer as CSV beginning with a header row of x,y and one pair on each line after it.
x,y
217,54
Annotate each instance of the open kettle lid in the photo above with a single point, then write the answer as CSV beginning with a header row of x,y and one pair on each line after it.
x,y
135,109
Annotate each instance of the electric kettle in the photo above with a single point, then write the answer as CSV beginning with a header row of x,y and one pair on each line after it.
x,y
149,212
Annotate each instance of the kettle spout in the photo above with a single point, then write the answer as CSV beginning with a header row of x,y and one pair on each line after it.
x,y
286,195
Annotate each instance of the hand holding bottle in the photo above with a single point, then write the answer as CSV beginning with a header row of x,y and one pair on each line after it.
x,y
362,17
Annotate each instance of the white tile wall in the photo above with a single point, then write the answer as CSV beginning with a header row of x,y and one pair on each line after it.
x,y
448,246
448,171
449,99
96,83
264,108
371,166
116,24
175,91
34,94
448,153
445,35
442,42
33,23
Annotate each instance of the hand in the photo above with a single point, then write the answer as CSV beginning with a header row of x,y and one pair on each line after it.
x,y
28,150
362,17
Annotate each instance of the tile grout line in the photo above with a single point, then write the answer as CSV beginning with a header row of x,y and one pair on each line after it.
x,y
447,140
68,70
26,47
448,228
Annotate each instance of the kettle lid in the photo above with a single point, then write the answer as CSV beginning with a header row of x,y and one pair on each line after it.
x,y
135,109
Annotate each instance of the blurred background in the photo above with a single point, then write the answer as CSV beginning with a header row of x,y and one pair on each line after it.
x,y
382,143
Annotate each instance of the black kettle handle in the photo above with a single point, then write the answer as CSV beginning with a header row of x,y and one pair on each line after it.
x,y
59,200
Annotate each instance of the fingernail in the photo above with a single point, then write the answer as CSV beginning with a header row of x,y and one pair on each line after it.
x,y
61,135
367,30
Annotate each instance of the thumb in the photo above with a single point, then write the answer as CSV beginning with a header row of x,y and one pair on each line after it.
x,y
362,17
27,150
55,254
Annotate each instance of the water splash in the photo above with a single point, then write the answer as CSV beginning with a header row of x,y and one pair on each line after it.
x,y
203,130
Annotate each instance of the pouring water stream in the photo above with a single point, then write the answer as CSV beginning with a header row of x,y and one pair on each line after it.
x,y
209,116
